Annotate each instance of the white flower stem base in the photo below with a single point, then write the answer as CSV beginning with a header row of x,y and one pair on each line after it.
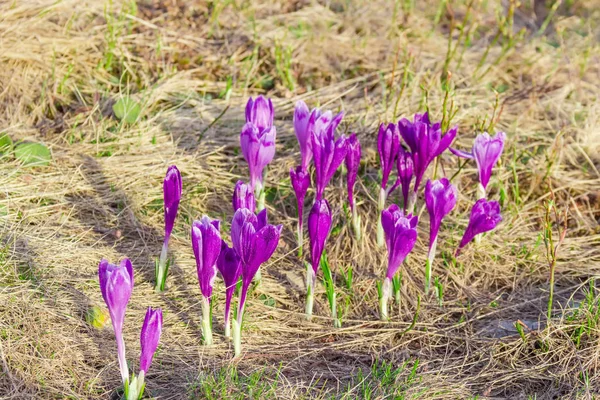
x,y
356,224
206,322
380,207
480,195
135,388
310,291
411,203
337,323
383,300
300,240
237,337
161,270
429,264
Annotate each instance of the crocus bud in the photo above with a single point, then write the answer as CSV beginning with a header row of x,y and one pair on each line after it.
x,y
150,336
485,215
301,118
230,268
426,142
116,285
206,242
352,162
258,137
388,143
405,174
319,225
172,196
243,197
440,199
300,179
486,152
328,154
400,236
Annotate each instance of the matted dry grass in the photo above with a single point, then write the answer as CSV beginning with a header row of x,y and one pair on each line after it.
x,y
101,195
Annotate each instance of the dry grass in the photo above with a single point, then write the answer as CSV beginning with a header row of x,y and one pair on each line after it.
x,y
101,194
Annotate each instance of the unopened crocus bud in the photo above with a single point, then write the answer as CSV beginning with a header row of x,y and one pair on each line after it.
x,y
426,142
440,199
486,152
172,196
206,242
300,179
243,197
400,238
405,176
485,216
328,154
301,118
388,143
257,139
116,285
230,267
150,336
319,225
352,161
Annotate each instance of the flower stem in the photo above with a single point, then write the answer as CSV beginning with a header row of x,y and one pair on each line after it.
x,y
429,264
300,236
380,207
383,300
480,195
206,322
336,321
121,355
412,202
551,297
356,223
237,323
310,288
161,269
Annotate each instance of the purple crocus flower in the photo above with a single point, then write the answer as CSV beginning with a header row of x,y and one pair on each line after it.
x,y
301,119
440,199
400,238
172,196
388,143
485,215
328,153
254,241
319,225
352,162
206,242
258,138
116,285
149,337
486,152
243,197
230,268
426,142
300,179
404,164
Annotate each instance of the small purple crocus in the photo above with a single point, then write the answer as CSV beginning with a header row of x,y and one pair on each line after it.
x,y
485,216
440,199
172,196
116,285
243,197
388,144
319,225
486,152
149,337
425,141
405,176
230,268
400,238
300,179
206,243
254,241
258,138
301,119
352,162
328,152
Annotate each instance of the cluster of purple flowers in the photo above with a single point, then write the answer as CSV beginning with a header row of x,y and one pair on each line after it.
x,y
410,147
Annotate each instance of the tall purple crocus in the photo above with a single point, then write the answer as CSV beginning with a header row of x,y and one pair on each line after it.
x,y
440,199
230,268
485,216
172,195
388,144
486,152
301,120
258,142
426,142
352,162
400,238
254,241
243,197
206,243
328,152
116,285
319,225
300,179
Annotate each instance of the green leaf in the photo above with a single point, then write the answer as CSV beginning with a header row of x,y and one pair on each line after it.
x,y
126,109
33,154
6,143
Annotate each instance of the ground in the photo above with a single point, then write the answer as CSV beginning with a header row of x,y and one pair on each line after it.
x,y
530,70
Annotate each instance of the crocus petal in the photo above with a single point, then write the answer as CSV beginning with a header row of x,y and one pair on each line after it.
x,y
485,216
319,225
461,154
258,148
243,197
328,154
440,199
172,195
405,172
150,336
206,243
388,143
229,265
487,151
300,180
116,285
260,112
400,236
265,242
352,162
301,118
